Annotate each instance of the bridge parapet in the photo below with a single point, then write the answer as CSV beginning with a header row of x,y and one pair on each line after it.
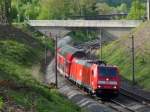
x,y
85,23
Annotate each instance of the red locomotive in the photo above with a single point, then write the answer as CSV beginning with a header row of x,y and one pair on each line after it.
x,y
94,76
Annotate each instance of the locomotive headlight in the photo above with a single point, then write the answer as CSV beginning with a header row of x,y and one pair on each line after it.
x,y
115,87
99,86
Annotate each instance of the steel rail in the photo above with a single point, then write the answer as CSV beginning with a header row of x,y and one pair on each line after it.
x,y
134,96
122,105
111,103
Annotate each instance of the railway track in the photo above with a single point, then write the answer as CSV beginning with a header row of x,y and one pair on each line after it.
x,y
141,99
125,108
127,101
131,104
89,45
119,107
136,97
122,103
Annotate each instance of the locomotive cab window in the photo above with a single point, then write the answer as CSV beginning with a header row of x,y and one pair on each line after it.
x,y
107,71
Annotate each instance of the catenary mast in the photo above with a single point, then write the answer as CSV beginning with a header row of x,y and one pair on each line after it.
x,y
148,9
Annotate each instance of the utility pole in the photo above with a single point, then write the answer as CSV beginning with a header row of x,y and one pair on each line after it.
x,y
18,13
45,52
148,10
80,8
56,80
87,35
45,48
101,44
133,61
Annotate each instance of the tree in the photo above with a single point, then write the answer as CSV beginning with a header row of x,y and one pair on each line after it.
x,y
115,3
122,8
64,9
87,7
103,8
52,9
137,10
5,9
25,9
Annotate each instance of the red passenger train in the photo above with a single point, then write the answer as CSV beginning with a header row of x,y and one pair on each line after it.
x,y
94,76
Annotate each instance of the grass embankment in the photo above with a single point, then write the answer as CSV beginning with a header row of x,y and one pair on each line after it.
x,y
19,90
119,53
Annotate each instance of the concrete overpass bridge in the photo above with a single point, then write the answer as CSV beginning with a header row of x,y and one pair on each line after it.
x,y
107,28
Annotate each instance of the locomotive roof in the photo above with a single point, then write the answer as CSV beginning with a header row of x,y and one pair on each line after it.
x,y
68,49
83,62
88,63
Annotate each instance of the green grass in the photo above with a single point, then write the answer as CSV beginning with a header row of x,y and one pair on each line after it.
x,y
37,35
119,53
1,102
52,102
16,61
19,53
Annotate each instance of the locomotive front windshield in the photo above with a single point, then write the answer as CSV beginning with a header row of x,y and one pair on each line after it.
x,y
107,71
